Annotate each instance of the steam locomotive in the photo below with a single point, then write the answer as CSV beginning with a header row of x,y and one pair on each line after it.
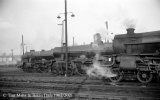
x,y
132,55
137,54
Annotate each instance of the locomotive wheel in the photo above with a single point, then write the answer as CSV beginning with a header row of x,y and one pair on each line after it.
x,y
39,70
79,69
54,70
24,69
69,71
117,78
144,76
158,77
30,69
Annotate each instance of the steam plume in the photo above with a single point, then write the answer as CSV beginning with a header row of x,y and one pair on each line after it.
x,y
129,23
97,69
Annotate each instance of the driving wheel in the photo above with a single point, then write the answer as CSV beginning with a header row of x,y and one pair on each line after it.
x,y
144,76
118,77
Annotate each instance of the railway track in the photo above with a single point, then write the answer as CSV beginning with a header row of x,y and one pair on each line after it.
x,y
87,82
75,96
116,90
71,80
49,87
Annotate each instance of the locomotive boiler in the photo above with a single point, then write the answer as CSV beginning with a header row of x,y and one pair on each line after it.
x,y
136,55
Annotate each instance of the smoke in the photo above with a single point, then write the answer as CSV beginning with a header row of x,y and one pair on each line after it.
x,y
129,23
98,69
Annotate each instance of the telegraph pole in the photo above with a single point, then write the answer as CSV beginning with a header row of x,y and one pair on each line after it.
x,y
66,38
12,55
73,41
22,45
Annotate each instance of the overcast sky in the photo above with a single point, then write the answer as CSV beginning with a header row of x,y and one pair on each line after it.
x,y
37,21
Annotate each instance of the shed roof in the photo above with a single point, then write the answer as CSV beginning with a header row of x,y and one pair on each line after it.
x,y
143,34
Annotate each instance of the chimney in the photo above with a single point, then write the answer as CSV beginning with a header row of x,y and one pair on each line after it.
x,y
32,50
42,50
130,31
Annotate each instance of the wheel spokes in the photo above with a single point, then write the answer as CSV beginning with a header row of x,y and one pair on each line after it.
x,y
144,77
116,78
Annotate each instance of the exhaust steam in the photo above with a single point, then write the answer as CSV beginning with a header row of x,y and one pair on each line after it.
x,y
98,69
130,23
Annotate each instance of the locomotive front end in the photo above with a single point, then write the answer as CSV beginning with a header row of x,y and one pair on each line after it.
x,y
138,54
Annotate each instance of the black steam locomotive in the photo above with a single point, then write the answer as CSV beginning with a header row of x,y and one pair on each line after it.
x,y
132,55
